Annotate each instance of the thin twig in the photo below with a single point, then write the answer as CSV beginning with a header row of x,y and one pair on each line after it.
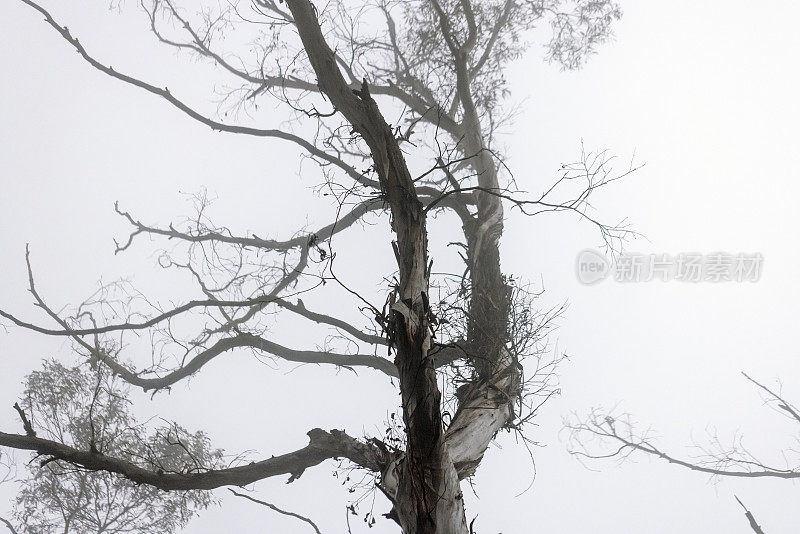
x,y
276,509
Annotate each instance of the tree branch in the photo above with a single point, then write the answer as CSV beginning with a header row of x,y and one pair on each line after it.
x,y
254,342
254,304
417,104
8,525
26,423
485,407
783,404
752,520
214,125
322,446
323,234
606,428
301,310
223,345
495,33
276,509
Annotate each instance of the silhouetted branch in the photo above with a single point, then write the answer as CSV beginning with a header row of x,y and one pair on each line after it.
x,y
593,171
752,520
323,446
26,423
300,309
276,509
66,330
783,404
321,235
214,125
8,525
255,342
199,44
620,432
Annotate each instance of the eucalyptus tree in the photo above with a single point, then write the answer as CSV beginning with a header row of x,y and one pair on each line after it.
x,y
88,406
338,70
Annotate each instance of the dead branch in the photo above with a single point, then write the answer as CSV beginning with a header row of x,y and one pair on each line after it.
x,y
26,423
276,509
750,519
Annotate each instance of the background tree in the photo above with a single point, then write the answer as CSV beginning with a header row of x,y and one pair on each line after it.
x,y
87,408
438,68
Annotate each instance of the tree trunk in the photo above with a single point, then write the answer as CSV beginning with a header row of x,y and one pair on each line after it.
x,y
428,499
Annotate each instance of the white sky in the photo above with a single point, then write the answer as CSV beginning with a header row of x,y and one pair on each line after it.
x,y
704,92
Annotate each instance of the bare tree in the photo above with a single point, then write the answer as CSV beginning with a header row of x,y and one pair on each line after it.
x,y
339,71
